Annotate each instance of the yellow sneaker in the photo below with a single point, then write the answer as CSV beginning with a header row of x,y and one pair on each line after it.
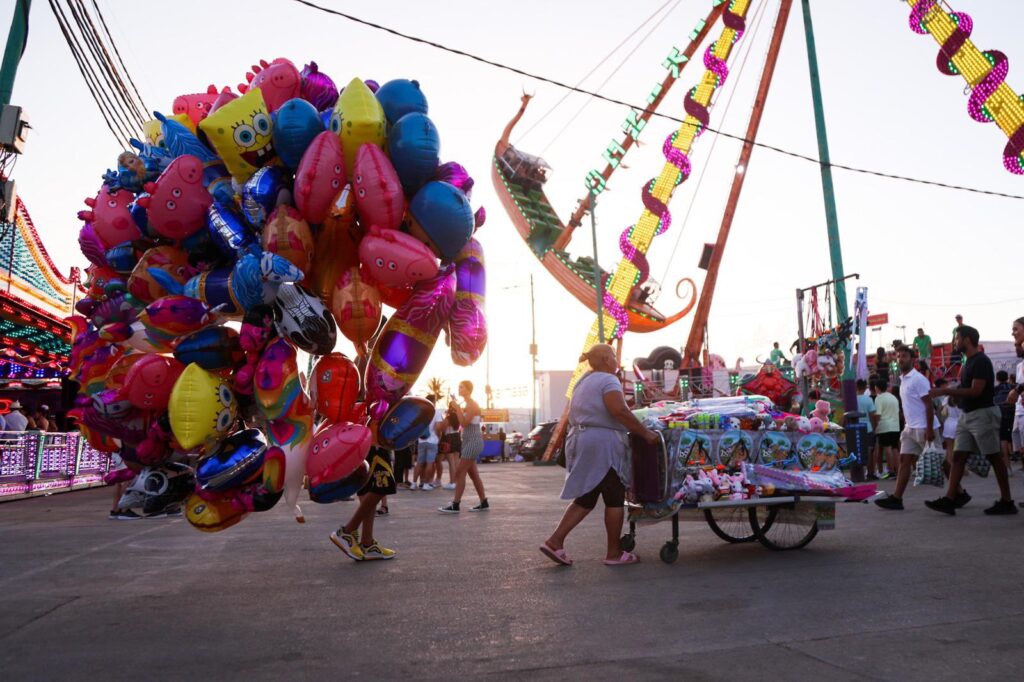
x,y
375,552
348,543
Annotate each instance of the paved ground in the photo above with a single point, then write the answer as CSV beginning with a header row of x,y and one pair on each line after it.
x,y
887,595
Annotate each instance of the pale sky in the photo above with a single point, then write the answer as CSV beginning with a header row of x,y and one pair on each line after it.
x,y
925,253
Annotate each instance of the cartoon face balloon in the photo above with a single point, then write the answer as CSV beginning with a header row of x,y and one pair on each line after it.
x,y
300,317
289,236
202,408
337,450
177,201
378,191
279,81
404,422
356,308
241,133
415,147
442,217
150,381
320,176
395,259
196,106
298,123
171,260
235,460
335,387
358,119
111,220
214,348
276,385
400,97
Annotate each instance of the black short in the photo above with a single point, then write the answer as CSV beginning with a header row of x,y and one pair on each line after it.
x,y
382,476
610,489
403,458
1006,433
889,439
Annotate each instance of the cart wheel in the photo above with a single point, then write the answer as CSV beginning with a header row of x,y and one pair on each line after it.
x,y
669,552
732,524
627,543
783,527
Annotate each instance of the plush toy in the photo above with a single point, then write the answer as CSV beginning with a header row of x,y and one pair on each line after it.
x,y
822,409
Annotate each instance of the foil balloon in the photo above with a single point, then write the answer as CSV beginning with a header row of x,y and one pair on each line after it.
x,y
403,423
400,97
337,244
169,318
467,326
378,191
235,461
213,349
355,305
442,217
337,451
177,202
253,336
415,147
180,141
228,230
156,489
261,193
298,123
404,345
335,387
278,80
288,235
393,297
171,260
202,408
332,491
111,404
117,375
276,385
293,433
320,176
123,257
395,259
358,119
111,221
455,174
317,87
211,514
196,106
92,246
270,487
300,317
150,380
241,133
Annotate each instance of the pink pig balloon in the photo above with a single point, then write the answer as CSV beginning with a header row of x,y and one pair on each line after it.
x,y
149,382
177,201
379,197
110,217
320,177
336,451
394,258
279,81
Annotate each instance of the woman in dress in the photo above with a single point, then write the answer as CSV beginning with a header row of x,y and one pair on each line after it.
x,y
468,415
597,464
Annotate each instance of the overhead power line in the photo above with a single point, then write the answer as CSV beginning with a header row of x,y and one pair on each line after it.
x,y
113,44
642,108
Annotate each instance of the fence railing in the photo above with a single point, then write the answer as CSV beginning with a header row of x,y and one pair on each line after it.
x,y
36,463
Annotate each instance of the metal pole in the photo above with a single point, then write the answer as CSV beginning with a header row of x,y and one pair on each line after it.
x,y
801,345
17,38
533,352
598,285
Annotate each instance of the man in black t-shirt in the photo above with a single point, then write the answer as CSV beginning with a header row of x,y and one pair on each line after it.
x,y
977,432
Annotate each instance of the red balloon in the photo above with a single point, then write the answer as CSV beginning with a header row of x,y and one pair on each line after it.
x,y
150,380
336,388
336,451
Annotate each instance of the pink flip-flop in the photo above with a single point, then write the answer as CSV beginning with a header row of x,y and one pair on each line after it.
x,y
626,558
557,555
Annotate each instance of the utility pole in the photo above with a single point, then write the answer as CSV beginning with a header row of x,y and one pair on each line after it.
x,y
533,353
17,39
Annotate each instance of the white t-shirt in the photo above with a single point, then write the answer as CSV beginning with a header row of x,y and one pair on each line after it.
x,y
1020,380
914,388
16,421
438,418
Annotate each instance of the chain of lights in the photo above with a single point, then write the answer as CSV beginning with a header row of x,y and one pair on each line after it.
x,y
655,219
991,100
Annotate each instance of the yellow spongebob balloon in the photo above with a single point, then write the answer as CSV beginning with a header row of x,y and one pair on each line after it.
x,y
240,132
202,407
358,119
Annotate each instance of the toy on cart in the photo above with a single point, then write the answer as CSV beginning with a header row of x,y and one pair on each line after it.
x,y
779,487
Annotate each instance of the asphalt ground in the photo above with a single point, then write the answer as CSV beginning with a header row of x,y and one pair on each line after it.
x,y
909,595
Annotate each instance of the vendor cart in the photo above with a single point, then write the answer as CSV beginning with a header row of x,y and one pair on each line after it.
x,y
781,522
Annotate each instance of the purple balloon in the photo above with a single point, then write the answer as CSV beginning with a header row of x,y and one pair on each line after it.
x,y
318,88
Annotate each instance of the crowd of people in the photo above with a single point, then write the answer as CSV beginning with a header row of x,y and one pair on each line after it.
x,y
21,419
975,415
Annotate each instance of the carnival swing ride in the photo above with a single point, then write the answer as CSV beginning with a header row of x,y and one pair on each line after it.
x,y
623,299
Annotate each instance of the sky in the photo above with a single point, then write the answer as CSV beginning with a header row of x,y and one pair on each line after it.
x,y
925,253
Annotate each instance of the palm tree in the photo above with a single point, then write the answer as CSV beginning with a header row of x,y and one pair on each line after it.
x,y
435,386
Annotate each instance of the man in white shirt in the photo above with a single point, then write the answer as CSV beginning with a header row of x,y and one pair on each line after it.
x,y
919,415
1015,395
16,420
